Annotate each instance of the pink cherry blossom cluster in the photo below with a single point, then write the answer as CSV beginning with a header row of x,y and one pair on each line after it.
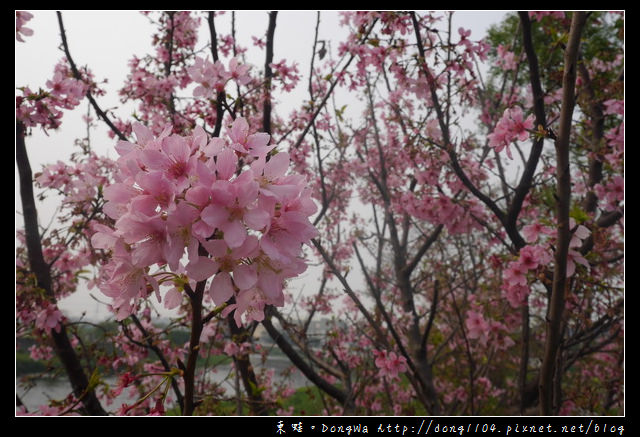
x,y
485,390
486,332
539,15
439,209
154,81
146,86
44,108
21,18
49,318
612,192
286,75
40,352
227,201
579,234
34,312
598,65
133,355
45,410
507,59
614,106
234,349
389,363
213,77
477,326
177,35
515,281
511,127
79,183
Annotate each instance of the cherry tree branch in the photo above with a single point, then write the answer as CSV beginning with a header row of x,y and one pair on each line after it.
x,y
268,74
62,344
300,363
243,365
444,128
165,364
563,198
524,186
594,109
78,76
330,91
221,98
188,376
297,338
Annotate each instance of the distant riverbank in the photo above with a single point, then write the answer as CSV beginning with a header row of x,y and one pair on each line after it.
x,y
45,390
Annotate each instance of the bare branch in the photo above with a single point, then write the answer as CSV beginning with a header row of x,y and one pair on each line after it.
x,y
78,76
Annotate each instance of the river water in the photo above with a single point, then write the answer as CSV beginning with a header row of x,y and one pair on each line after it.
x,y
45,390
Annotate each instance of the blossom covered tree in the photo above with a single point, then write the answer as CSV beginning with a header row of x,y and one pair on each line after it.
x,y
466,222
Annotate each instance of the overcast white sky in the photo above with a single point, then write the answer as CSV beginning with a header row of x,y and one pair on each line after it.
x,y
107,40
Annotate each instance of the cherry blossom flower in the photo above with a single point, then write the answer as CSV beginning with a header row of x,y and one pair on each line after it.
x,y
614,106
21,18
389,363
250,304
515,274
44,108
172,298
212,77
539,15
239,72
511,127
477,326
49,318
579,233
174,160
187,192
124,381
286,76
507,58
40,352
233,349
533,231
253,144
612,192
573,257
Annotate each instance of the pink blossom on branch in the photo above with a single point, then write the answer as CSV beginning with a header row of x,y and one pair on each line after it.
x,y
539,15
177,193
477,326
21,18
614,106
49,318
44,108
287,76
533,231
507,58
511,127
213,77
389,363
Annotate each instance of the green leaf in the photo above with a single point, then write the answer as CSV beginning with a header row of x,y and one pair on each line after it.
x,y
578,214
94,380
255,390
